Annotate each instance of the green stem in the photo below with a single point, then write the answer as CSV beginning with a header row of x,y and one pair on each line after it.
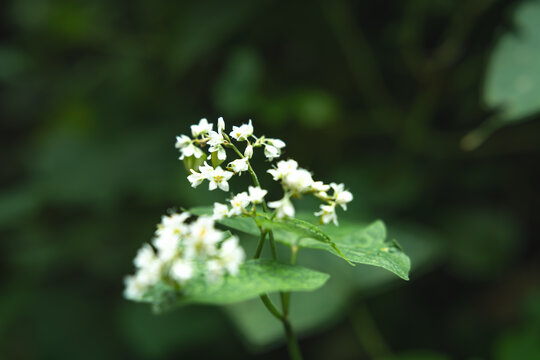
x,y
292,343
270,306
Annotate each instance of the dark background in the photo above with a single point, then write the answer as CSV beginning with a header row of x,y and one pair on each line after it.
x,y
376,94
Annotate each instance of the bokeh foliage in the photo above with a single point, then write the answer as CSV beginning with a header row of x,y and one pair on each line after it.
x,y
383,96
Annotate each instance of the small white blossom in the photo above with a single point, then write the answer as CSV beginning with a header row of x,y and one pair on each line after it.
x,y
215,142
181,270
298,181
341,196
248,153
284,207
202,128
134,290
221,211
256,194
231,255
328,214
150,274
219,178
182,141
144,257
283,169
276,143
202,239
239,165
243,132
167,244
191,150
214,270
271,152
238,203
220,124
195,178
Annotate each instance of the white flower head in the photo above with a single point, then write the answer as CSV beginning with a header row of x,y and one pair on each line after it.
x,y
181,270
276,143
220,124
144,257
283,169
150,274
248,153
271,152
238,203
298,181
134,290
219,178
239,165
182,141
202,128
191,150
341,196
221,211
242,132
202,238
256,194
231,255
284,207
328,213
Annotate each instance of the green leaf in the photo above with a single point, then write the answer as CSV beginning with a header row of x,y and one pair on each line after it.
x,y
256,277
513,78
301,228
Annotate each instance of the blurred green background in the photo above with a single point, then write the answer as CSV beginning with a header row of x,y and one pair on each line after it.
x,y
425,109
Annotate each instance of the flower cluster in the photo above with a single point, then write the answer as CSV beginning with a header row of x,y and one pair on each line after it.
x,y
182,251
297,181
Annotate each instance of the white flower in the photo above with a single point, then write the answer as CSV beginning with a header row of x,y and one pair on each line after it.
x,y
202,238
276,143
218,178
319,186
248,153
239,165
150,274
221,211
284,207
220,124
271,152
216,139
299,181
182,141
167,243
256,194
144,257
231,255
134,290
328,213
238,203
341,196
243,132
181,270
202,128
191,150
283,169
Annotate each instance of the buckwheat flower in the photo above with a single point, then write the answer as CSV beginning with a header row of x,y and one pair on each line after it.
x,y
341,196
220,124
215,142
231,255
181,270
191,150
221,211
202,128
202,239
271,152
195,178
248,153
298,181
276,143
219,178
256,194
243,132
239,165
328,213
134,290
167,243
150,274
319,186
144,257
283,169
238,203
284,207
182,141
